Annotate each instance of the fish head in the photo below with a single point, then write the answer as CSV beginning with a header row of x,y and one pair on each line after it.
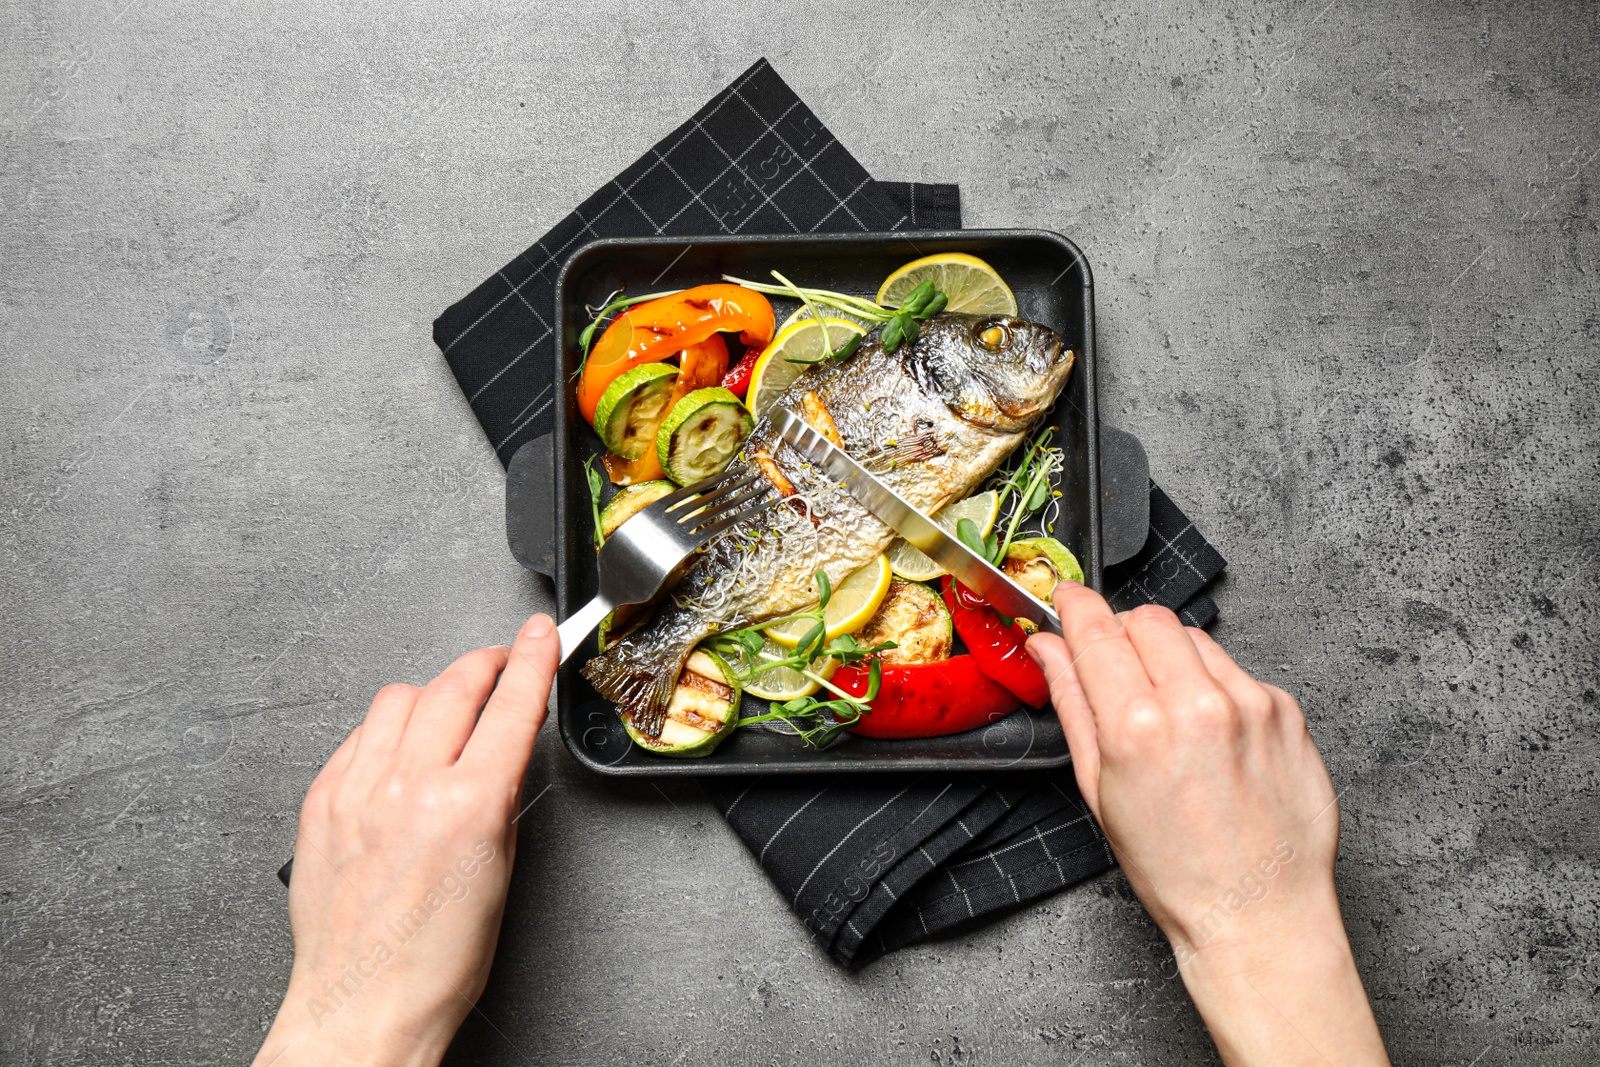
x,y
996,371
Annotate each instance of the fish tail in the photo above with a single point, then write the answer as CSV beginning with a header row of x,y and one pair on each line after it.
x,y
639,672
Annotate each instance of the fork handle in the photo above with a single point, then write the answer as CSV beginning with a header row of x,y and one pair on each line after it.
x,y
581,625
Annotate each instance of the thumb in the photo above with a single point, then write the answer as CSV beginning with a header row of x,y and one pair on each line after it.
x,y
502,743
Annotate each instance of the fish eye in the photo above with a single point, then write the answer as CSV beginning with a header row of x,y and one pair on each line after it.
x,y
993,335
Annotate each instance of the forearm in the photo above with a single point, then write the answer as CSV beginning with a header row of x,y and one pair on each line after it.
x,y
305,1032
1293,997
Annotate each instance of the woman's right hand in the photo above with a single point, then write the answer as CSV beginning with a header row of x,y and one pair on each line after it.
x,y
1222,815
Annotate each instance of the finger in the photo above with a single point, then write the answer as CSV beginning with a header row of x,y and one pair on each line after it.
x,y
503,742
1107,666
339,762
315,806
386,722
1290,718
1164,647
1287,706
1077,720
1246,692
448,707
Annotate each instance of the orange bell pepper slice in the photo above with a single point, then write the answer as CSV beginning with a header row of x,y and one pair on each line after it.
x,y
661,328
647,468
701,367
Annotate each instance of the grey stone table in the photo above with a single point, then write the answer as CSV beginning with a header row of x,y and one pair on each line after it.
x,y
1347,264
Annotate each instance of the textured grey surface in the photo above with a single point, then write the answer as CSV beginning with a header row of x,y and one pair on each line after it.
x,y
1346,261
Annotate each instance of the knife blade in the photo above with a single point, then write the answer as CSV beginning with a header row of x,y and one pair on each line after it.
x,y
969,568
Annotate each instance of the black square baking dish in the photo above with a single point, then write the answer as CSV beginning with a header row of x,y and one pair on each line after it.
x,y
549,530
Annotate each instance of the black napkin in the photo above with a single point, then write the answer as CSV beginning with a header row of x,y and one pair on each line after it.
x,y
870,864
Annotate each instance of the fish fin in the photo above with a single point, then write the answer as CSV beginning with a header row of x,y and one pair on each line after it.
x,y
817,414
769,468
919,446
639,672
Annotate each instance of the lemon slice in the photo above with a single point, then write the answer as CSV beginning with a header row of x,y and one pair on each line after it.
x,y
784,683
912,564
853,604
774,371
803,314
971,284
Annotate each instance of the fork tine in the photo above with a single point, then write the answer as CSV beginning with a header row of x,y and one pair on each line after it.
x,y
706,533
754,491
677,496
724,507
705,492
721,491
688,494
724,477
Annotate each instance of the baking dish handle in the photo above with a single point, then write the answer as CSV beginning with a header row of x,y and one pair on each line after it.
x,y
531,506
1124,495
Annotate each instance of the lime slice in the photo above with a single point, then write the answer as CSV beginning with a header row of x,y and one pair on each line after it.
x,y
910,563
784,683
853,604
973,286
775,369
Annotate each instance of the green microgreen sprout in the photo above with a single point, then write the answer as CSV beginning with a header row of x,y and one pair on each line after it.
x,y
985,545
1027,488
596,483
799,294
900,325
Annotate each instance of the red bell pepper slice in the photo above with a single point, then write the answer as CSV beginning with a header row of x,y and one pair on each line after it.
x,y
998,648
951,696
737,380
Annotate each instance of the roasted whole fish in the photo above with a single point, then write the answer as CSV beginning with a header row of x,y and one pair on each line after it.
x,y
933,419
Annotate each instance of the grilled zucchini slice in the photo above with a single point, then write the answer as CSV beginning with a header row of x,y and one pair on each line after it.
x,y
703,710
620,623
700,435
632,407
629,502
1038,563
916,620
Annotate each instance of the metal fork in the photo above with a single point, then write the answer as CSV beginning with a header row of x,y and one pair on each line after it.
x,y
642,553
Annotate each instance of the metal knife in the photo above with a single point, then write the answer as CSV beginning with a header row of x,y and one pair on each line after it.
x,y
969,568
